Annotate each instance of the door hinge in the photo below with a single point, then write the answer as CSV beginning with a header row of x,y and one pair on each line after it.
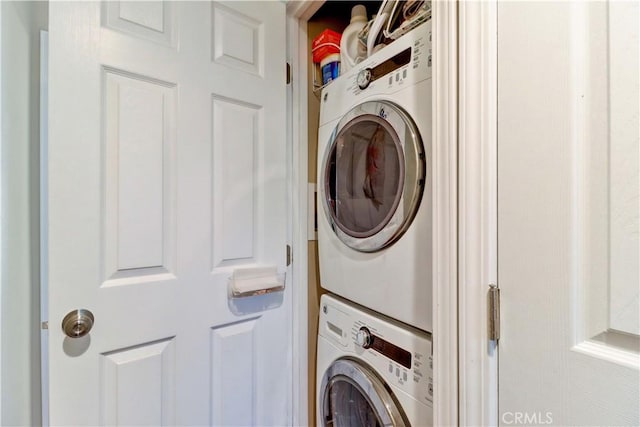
x,y
289,256
288,73
493,312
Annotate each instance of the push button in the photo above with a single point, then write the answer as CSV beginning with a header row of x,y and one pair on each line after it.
x,y
404,375
397,372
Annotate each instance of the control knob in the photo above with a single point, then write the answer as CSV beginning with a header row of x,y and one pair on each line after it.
x,y
364,77
363,337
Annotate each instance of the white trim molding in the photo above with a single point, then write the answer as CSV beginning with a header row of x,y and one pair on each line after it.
x,y
298,152
2,213
44,232
477,210
298,13
445,185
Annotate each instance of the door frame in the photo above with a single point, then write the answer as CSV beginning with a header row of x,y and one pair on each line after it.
x,y
298,13
2,215
445,150
477,220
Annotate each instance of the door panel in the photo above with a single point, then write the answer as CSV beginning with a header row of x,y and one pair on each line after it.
x,y
234,198
238,40
624,167
167,171
138,385
155,21
233,374
139,175
568,187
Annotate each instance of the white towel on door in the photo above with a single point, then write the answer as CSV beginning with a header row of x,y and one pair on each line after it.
x,y
246,280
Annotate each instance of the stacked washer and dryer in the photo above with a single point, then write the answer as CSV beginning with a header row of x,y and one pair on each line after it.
x,y
374,365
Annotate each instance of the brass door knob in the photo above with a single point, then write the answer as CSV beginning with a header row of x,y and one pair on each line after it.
x,y
77,323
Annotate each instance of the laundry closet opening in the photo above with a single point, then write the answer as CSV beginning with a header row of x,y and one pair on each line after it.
x,y
370,178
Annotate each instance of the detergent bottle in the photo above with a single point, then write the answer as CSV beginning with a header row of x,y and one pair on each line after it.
x,y
350,53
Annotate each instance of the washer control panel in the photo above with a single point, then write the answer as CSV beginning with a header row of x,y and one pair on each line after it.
x,y
400,354
412,371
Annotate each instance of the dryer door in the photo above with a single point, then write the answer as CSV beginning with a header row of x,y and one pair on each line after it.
x,y
374,175
353,395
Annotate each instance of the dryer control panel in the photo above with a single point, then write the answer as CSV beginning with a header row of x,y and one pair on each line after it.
x,y
406,61
399,66
401,355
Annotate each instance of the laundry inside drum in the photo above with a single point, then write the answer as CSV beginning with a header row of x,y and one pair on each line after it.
x,y
366,176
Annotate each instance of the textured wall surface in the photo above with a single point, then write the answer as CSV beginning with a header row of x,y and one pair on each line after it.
x,y
20,310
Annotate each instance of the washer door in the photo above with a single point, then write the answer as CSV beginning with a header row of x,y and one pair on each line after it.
x,y
353,395
374,175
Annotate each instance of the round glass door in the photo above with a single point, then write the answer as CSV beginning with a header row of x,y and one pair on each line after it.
x,y
374,173
346,405
352,395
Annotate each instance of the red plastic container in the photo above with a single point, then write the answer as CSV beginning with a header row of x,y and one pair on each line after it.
x,y
326,43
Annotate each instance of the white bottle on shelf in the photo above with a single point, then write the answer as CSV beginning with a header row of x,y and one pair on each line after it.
x,y
350,52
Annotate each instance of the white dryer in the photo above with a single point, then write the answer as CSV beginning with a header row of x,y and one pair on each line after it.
x,y
372,371
374,182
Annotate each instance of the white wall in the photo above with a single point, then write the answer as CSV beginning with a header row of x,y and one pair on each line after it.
x,y
20,23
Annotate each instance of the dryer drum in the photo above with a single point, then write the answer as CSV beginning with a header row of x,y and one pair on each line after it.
x,y
374,170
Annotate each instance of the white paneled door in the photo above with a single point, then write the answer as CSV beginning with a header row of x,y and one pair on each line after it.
x,y
568,212
167,172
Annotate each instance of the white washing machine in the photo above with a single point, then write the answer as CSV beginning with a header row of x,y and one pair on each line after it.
x,y
372,371
374,182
